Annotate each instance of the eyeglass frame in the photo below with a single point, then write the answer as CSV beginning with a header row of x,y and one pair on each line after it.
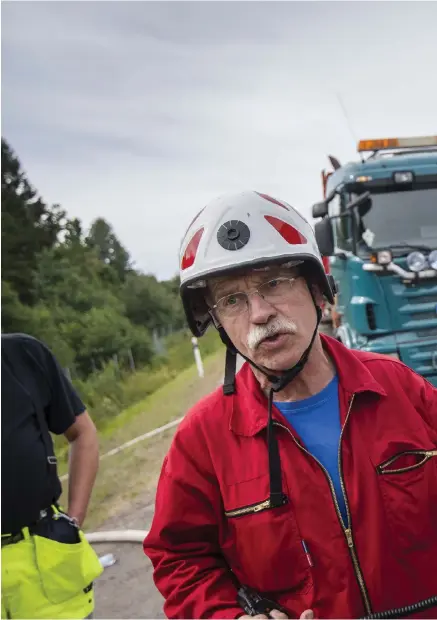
x,y
252,292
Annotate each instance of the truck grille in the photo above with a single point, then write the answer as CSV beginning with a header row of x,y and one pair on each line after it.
x,y
418,308
421,356
418,313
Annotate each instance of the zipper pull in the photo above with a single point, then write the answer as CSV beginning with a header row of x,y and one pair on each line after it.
x,y
262,506
350,542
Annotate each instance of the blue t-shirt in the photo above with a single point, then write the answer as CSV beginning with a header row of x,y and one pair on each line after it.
x,y
317,421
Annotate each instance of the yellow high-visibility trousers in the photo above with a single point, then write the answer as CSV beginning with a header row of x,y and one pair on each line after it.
x,y
43,578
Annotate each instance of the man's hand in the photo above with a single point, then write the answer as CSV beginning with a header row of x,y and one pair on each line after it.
x,y
306,615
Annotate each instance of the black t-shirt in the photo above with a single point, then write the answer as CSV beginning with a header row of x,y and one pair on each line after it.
x,y
30,375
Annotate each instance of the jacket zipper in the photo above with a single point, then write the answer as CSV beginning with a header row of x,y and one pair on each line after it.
x,y
252,508
347,530
427,454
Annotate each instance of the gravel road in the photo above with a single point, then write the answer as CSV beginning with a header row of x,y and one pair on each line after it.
x,y
126,589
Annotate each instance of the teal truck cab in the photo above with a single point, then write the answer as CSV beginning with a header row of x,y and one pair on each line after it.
x,y
378,225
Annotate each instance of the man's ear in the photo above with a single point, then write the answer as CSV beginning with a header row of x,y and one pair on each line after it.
x,y
317,293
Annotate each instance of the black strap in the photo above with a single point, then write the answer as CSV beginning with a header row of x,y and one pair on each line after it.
x,y
230,363
277,497
230,369
13,360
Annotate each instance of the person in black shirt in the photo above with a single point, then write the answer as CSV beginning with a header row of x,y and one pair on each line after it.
x,y
40,542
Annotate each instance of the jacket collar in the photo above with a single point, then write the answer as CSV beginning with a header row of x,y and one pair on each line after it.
x,y
249,403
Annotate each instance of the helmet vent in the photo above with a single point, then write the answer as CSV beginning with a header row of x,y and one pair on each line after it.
x,y
233,235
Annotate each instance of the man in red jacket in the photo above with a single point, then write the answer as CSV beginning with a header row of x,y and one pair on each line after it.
x,y
311,476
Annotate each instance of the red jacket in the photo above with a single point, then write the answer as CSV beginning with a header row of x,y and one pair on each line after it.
x,y
218,464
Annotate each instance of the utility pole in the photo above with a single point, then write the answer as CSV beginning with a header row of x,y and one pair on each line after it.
x,y
197,357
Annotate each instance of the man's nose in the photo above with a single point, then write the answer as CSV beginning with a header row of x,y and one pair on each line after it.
x,y
260,311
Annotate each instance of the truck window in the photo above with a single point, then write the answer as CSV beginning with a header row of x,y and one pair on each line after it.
x,y
408,216
341,226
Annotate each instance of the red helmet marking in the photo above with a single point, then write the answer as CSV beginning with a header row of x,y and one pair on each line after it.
x,y
288,232
191,250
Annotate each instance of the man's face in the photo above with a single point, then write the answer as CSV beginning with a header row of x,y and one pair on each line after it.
x,y
274,329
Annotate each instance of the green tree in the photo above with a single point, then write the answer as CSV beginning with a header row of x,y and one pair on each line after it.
x,y
52,325
73,275
147,302
73,232
28,226
109,248
172,287
16,317
103,333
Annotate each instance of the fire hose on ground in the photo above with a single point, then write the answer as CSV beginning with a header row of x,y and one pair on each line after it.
x,y
131,536
115,536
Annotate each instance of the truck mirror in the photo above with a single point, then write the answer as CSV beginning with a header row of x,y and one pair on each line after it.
x,y
324,237
362,202
320,209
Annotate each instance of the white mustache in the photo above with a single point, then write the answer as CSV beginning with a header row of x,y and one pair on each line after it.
x,y
259,332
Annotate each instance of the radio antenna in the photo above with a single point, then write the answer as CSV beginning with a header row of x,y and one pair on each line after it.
x,y
349,124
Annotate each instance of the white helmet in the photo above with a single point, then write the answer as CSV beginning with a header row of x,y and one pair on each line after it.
x,y
238,231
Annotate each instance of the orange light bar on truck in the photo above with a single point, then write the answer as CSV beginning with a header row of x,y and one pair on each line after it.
x,y
396,143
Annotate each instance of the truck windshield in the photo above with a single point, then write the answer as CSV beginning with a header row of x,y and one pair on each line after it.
x,y
401,217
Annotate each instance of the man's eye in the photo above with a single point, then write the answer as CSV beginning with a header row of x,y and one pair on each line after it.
x,y
272,284
231,300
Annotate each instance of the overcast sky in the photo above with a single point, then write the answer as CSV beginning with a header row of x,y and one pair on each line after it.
x,y
141,112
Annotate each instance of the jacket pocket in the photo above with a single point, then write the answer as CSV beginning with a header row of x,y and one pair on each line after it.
x,y
65,569
262,543
252,508
405,461
408,483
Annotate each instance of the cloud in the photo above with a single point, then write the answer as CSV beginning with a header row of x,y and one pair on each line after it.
x,y
141,112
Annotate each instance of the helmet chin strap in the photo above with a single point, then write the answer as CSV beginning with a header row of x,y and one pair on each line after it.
x,y
278,382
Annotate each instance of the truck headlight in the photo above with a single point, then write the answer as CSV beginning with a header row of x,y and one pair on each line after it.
x,y
383,257
432,259
416,261
404,176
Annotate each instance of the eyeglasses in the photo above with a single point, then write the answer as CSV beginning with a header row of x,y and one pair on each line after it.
x,y
273,292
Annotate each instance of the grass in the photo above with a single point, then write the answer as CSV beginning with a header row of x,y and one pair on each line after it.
x,y
114,397
132,473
